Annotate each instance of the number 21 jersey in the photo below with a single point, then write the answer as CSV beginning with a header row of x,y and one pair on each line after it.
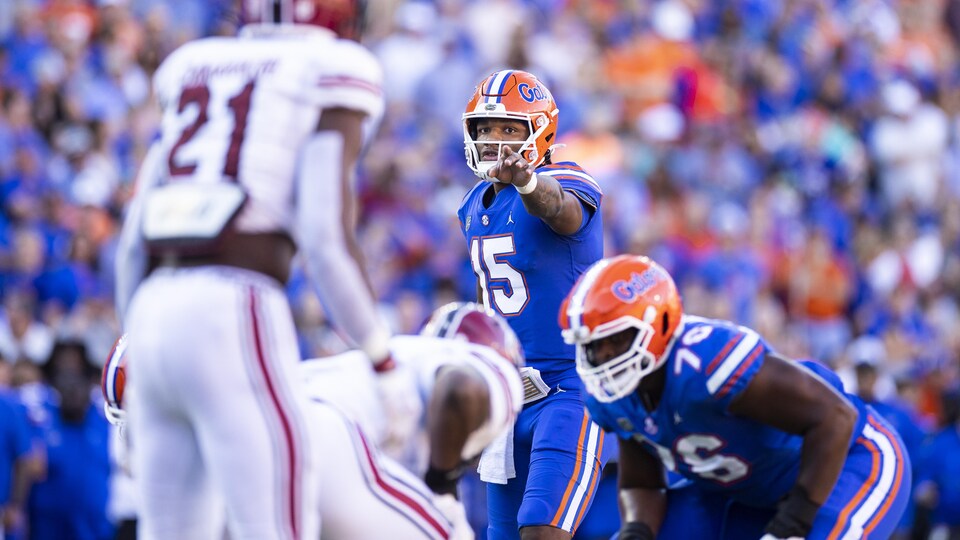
x,y
239,109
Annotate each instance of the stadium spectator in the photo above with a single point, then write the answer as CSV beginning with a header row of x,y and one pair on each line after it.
x,y
819,288
70,500
23,337
909,142
15,477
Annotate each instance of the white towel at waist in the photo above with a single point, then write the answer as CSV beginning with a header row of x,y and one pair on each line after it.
x,y
496,461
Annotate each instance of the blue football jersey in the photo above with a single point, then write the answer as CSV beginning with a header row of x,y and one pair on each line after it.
x,y
709,364
524,267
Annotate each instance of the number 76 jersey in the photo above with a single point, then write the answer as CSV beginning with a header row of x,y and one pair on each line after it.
x,y
692,433
239,110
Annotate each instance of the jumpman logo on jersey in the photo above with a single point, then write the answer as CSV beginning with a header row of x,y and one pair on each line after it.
x,y
650,426
510,218
677,418
560,389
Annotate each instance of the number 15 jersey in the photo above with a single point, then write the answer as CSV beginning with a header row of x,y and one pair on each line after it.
x,y
524,268
241,109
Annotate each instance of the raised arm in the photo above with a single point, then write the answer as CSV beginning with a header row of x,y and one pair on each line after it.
x,y
542,196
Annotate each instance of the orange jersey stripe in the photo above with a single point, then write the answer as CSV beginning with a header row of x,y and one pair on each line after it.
x,y
872,524
862,493
737,374
563,165
576,473
593,482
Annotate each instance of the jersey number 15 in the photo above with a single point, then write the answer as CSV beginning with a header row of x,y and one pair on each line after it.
x,y
504,287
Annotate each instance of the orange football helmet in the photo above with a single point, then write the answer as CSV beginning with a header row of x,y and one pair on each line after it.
x,y
113,381
515,95
616,295
472,322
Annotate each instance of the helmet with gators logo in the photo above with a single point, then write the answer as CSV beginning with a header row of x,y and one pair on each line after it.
x,y
627,293
514,95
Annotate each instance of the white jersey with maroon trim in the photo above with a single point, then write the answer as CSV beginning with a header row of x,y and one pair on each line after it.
x,y
240,110
348,382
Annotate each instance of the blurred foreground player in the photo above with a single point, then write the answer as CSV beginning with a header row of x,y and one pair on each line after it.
x,y
464,390
255,162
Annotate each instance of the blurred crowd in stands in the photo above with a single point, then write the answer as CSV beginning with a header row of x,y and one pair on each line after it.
x,y
795,164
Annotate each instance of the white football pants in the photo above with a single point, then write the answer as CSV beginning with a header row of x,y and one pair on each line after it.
x,y
368,496
216,415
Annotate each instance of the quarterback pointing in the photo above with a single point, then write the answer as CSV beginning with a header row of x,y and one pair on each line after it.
x,y
532,225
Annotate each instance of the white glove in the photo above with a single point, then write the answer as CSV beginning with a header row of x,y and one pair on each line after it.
x,y
453,510
769,536
402,408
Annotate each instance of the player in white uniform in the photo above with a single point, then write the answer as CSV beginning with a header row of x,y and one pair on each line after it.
x,y
462,377
462,383
260,136
464,392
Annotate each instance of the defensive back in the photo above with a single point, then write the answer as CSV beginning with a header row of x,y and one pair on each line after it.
x,y
238,111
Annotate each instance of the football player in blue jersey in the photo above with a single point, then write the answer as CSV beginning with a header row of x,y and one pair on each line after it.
x,y
532,226
773,446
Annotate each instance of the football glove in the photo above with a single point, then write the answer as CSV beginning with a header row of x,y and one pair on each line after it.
x,y
794,517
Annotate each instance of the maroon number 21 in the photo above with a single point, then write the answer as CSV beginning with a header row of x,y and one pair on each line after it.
x,y
239,104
